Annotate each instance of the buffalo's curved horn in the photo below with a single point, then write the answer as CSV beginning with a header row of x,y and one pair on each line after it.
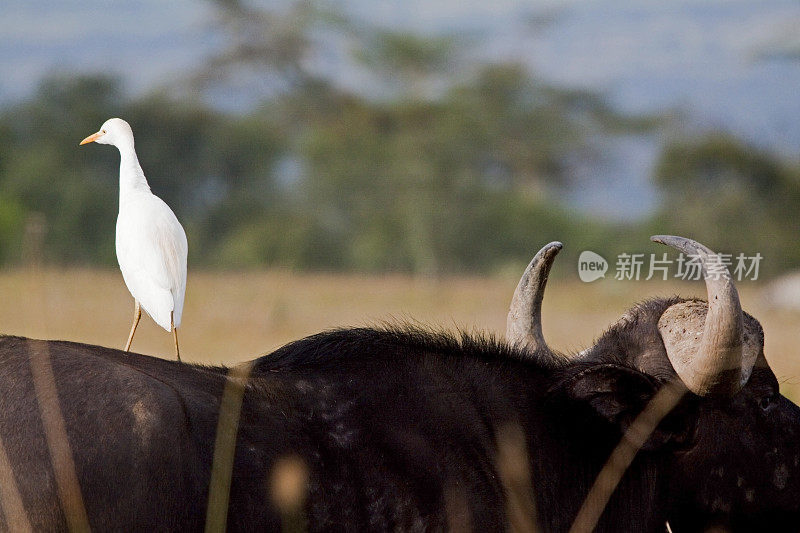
x,y
524,324
706,344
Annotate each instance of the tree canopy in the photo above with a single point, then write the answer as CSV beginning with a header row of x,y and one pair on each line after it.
x,y
312,175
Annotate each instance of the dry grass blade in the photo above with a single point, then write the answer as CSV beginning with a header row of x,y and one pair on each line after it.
x,y
10,499
289,489
515,474
55,431
225,447
620,459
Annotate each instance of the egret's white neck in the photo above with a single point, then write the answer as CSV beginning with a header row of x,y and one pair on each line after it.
x,y
131,176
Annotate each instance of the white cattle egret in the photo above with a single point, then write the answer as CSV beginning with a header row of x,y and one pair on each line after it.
x,y
151,243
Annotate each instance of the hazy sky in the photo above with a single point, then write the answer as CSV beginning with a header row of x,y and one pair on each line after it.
x,y
145,40
645,54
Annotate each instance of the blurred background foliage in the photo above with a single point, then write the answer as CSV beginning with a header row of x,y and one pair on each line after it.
x,y
446,165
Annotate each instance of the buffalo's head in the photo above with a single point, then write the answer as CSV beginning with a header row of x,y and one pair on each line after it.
x,y
731,445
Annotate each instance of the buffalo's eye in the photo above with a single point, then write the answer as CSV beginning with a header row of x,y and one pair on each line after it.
x,y
765,402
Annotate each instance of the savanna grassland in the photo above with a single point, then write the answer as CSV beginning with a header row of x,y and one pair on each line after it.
x,y
232,317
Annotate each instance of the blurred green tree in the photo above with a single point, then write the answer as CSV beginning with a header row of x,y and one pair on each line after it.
x,y
45,174
721,190
451,169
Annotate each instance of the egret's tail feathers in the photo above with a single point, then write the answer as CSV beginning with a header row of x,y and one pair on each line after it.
x,y
178,309
160,310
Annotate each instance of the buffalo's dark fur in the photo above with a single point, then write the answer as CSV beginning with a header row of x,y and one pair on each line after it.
x,y
400,430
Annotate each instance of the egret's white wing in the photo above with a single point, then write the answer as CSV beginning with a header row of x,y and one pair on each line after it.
x,y
152,249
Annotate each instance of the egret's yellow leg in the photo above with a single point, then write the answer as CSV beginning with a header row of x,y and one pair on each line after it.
x,y
175,334
137,314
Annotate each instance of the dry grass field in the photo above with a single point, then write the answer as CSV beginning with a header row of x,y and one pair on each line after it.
x,y
233,317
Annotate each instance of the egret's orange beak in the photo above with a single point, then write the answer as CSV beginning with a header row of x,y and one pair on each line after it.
x,y
92,138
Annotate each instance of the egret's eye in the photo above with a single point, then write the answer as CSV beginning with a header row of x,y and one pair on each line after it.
x,y
102,131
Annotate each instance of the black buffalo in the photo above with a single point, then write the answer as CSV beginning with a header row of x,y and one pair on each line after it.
x,y
412,430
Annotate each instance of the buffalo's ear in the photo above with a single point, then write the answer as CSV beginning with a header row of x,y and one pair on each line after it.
x,y
614,394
